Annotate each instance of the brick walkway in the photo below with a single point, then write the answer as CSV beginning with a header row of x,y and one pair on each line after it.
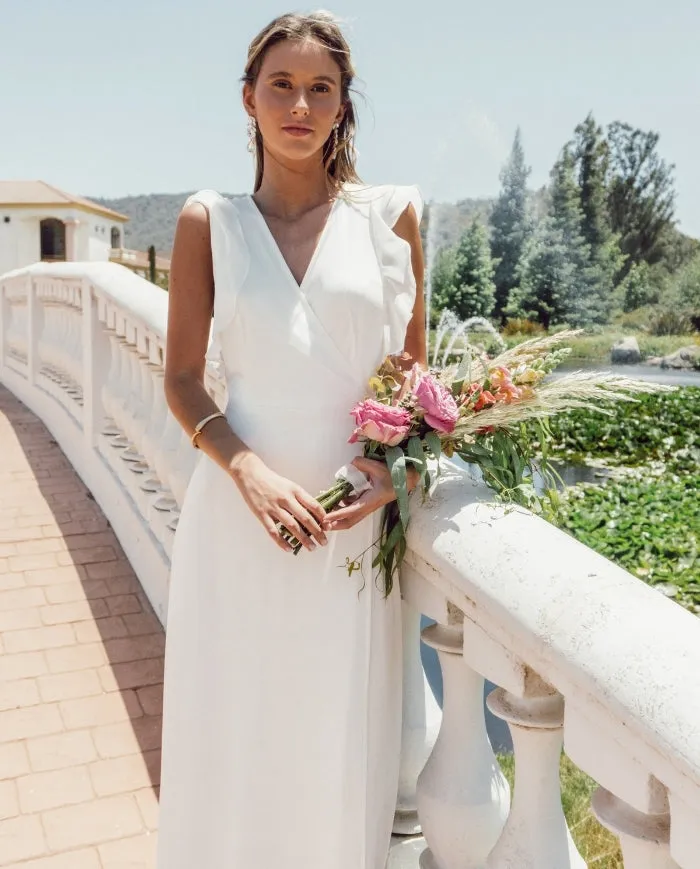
x,y
81,659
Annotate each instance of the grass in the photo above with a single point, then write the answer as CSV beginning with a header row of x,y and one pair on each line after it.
x,y
598,847
595,347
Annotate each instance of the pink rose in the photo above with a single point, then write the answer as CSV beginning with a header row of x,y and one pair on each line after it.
x,y
380,422
441,411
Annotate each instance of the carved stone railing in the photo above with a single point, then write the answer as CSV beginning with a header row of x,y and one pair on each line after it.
x,y
584,654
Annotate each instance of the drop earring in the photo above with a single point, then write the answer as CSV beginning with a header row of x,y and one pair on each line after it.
x,y
252,133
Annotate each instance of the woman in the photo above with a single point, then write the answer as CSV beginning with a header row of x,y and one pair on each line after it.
x,y
282,720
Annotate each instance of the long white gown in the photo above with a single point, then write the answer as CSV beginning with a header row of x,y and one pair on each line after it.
x,y
282,725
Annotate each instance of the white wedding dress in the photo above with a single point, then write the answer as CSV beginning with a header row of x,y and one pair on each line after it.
x,y
282,725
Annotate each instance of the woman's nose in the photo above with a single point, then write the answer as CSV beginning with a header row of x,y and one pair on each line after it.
x,y
301,105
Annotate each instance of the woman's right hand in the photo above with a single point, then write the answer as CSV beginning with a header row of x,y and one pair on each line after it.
x,y
274,498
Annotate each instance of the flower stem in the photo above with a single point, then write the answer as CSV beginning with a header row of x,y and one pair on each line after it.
x,y
329,500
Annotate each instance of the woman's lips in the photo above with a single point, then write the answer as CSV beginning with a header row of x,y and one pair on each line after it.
x,y
298,131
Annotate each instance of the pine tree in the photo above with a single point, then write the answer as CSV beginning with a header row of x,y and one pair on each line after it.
x,y
557,281
442,279
471,290
591,155
511,224
546,277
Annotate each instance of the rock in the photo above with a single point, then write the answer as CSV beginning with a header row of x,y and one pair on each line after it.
x,y
687,358
625,352
653,360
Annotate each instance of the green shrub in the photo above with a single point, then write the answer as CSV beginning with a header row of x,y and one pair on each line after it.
x,y
521,326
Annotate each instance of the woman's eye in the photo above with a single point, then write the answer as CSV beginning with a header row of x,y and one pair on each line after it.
x,y
322,88
281,83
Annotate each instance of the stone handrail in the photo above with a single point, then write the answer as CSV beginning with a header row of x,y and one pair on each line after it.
x,y
584,654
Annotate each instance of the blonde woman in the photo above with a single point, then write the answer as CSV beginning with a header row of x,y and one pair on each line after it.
x,y
282,718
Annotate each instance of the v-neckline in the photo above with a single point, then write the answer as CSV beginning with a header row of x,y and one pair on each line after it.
x,y
278,252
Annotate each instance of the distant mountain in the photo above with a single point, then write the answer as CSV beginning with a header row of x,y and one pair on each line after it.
x,y
153,217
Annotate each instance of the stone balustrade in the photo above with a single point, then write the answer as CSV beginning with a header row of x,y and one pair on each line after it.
x,y
585,656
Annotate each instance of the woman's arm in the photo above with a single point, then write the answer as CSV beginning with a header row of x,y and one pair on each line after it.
x,y
271,498
407,228
382,491
190,306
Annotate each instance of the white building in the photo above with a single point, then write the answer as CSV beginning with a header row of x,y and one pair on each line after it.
x,y
40,222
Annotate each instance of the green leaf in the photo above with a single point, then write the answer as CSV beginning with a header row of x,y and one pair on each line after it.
x,y
434,445
396,462
416,452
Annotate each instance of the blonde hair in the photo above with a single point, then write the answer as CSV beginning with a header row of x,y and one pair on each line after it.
x,y
321,27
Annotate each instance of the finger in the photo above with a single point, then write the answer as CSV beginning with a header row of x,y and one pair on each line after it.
x,y
290,521
314,516
371,467
274,533
355,511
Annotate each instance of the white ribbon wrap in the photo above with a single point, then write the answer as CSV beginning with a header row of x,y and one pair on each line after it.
x,y
355,477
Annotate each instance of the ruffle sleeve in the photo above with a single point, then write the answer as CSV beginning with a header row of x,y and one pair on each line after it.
x,y
394,257
230,261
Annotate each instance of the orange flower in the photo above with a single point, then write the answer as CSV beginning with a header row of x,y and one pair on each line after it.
x,y
485,398
508,393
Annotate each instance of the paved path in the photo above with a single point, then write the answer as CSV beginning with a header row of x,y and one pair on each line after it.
x,y
81,659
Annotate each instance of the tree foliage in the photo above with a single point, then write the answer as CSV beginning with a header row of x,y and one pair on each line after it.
x,y
545,277
511,224
470,291
641,194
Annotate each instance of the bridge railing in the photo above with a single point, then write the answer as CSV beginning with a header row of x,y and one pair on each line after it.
x,y
584,654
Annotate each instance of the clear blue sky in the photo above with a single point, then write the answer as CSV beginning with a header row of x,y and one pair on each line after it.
x,y
142,96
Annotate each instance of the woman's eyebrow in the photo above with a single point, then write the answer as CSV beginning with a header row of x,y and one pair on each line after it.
x,y
282,74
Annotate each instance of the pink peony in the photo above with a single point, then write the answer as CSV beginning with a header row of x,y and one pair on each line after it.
x,y
441,411
380,422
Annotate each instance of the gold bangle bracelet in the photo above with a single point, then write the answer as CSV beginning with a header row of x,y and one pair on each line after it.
x,y
200,425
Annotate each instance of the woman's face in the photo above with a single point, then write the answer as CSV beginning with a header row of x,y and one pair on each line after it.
x,y
296,98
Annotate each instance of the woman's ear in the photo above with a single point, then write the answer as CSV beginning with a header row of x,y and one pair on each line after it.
x,y
248,99
341,114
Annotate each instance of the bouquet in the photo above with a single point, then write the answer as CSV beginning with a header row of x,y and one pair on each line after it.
x,y
476,410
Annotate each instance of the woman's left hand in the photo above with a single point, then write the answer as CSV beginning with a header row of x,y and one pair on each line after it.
x,y
381,493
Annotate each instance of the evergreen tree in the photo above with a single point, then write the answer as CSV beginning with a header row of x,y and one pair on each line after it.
x,y
511,224
641,195
471,290
442,280
591,155
558,280
582,304
592,159
546,277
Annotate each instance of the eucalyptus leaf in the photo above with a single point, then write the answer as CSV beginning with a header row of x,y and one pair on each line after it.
x,y
396,462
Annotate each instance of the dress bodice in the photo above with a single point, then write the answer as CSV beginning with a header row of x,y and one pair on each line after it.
x,y
315,344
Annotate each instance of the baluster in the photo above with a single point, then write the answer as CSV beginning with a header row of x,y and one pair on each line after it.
x,y
535,835
122,391
644,839
110,429
420,723
462,794
4,323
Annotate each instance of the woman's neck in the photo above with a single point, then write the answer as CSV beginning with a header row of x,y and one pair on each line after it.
x,y
287,193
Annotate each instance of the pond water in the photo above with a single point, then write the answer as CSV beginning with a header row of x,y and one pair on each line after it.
x,y
652,373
